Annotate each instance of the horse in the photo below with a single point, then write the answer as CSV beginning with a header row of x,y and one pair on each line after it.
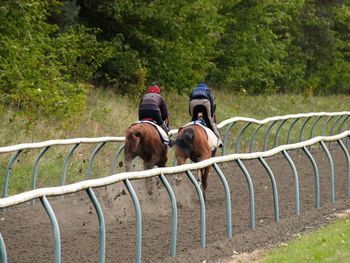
x,y
143,140
192,142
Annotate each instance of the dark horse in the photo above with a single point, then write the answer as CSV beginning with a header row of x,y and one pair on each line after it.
x,y
143,140
192,143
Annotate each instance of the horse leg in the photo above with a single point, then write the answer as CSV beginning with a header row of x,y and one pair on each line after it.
x,y
148,181
128,161
205,173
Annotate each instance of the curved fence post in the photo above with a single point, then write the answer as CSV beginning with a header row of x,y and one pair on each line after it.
x,y
227,131
312,129
8,171
274,188
202,207
302,128
278,131
240,135
342,123
114,161
316,176
325,124
335,124
296,182
227,198
267,135
173,212
254,137
137,207
348,163
251,193
35,168
65,163
101,226
313,126
3,255
96,150
290,129
54,224
331,172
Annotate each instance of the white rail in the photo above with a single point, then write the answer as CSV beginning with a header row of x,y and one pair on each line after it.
x,y
61,190
36,145
284,117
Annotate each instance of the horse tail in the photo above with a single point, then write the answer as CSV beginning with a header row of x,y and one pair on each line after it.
x,y
133,139
184,141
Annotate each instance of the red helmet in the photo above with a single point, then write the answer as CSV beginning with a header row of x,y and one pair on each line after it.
x,y
153,89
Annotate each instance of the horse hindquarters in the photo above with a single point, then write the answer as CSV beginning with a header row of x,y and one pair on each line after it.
x,y
132,141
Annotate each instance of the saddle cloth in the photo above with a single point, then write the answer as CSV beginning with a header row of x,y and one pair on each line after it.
x,y
164,137
213,141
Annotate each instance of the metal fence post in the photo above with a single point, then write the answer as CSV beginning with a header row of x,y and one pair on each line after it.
x,y
101,226
173,214
54,224
137,207
251,194
201,207
296,182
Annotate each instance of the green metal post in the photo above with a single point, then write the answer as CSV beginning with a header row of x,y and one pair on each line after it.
x,y
251,194
227,131
331,172
290,129
3,255
114,161
254,137
8,171
227,198
201,207
240,135
302,128
173,214
137,207
66,162
101,225
278,131
316,176
54,224
267,135
35,169
347,161
96,150
274,188
296,182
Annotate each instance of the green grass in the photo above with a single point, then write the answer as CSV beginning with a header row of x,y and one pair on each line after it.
x,y
328,244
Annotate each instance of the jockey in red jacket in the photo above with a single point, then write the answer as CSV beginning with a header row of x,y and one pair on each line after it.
x,y
152,107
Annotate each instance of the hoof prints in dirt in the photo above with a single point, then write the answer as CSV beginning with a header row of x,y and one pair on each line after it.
x,y
28,235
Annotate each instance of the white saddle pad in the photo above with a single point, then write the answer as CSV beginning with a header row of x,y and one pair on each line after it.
x,y
213,141
161,132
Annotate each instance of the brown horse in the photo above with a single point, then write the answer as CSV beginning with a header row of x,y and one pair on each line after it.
x,y
192,143
143,140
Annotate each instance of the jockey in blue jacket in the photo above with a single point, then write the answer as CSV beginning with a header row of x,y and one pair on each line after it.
x,y
201,100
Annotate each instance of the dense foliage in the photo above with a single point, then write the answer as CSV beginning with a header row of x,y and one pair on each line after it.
x,y
49,48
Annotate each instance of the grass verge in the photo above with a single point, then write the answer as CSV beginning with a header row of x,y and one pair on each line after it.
x,y
328,244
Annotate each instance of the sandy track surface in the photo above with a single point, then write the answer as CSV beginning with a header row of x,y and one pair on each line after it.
x,y
28,236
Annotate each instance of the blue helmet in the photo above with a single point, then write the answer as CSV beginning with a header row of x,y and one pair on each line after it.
x,y
202,85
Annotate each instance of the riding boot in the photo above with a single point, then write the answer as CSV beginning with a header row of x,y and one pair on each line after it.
x,y
167,129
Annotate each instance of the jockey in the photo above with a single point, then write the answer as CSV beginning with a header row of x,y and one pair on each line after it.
x,y
201,100
152,107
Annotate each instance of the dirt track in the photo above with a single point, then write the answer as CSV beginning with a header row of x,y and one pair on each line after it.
x,y
28,236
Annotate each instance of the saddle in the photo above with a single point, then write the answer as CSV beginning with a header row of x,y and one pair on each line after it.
x,y
162,134
213,141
